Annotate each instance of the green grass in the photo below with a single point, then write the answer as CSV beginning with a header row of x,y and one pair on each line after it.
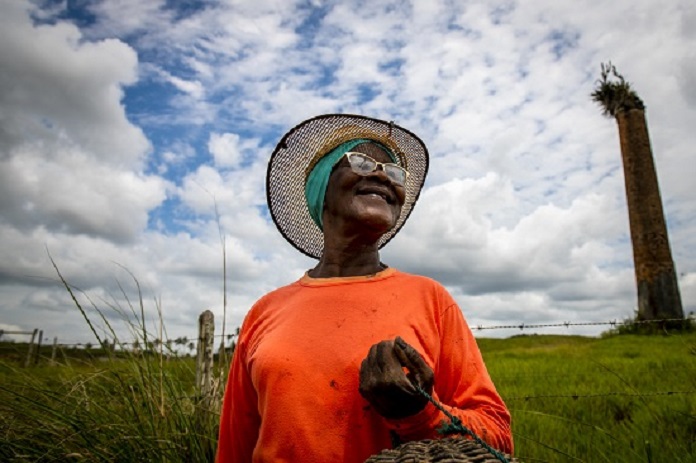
x,y
626,398
106,405
121,410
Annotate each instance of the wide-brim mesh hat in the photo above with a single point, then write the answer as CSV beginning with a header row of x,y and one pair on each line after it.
x,y
300,149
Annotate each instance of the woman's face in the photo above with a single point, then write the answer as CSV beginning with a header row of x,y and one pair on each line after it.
x,y
371,202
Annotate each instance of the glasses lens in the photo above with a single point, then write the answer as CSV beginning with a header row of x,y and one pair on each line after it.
x,y
395,173
361,164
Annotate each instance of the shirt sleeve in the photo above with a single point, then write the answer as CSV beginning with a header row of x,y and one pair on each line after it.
x,y
239,420
463,387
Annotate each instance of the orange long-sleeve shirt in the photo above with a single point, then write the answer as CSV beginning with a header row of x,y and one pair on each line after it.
x,y
292,393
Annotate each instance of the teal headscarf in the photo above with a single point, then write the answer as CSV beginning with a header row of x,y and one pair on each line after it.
x,y
318,178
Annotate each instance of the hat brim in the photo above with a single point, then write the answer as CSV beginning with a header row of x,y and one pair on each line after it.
x,y
312,139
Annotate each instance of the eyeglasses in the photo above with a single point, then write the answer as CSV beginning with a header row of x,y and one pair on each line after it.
x,y
362,164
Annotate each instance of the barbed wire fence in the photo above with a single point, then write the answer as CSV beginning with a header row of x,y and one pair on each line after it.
x,y
33,349
202,346
611,323
598,395
189,342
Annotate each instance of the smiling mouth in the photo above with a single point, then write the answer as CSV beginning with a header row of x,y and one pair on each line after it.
x,y
377,194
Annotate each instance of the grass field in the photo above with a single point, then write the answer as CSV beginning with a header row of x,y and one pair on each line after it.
x,y
134,409
627,398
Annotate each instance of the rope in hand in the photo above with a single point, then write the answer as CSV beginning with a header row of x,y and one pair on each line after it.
x,y
456,426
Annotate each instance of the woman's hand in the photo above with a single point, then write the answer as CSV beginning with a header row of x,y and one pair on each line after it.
x,y
385,384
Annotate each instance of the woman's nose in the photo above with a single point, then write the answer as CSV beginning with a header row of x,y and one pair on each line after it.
x,y
380,173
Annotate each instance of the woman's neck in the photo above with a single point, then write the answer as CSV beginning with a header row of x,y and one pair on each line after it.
x,y
347,262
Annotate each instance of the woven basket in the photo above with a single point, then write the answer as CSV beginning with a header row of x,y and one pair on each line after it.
x,y
447,450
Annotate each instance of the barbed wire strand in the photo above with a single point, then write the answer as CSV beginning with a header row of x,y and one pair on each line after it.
x,y
601,394
523,326
520,326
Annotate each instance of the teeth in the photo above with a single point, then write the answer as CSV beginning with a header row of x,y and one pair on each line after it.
x,y
375,194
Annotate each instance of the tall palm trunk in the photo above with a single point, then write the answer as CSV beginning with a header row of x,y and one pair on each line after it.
x,y
656,279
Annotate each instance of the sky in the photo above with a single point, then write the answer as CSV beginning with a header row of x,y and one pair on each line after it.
x,y
135,136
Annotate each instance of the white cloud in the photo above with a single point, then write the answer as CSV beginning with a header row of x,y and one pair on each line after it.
x,y
480,250
225,149
74,193
55,87
71,161
129,17
192,87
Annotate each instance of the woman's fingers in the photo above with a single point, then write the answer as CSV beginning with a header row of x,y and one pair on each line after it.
x,y
383,358
384,383
411,357
419,371
382,366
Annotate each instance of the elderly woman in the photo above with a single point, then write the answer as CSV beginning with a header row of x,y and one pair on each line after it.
x,y
326,368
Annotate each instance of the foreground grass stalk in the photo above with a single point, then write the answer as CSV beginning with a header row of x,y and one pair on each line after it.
x,y
128,406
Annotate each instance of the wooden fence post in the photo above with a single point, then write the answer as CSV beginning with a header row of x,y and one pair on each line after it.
x,y
37,352
30,351
204,359
54,350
